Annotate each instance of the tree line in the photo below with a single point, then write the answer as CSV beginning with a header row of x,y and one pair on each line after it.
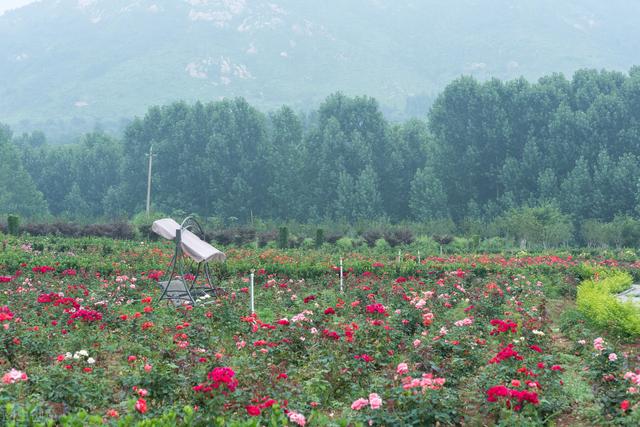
x,y
566,146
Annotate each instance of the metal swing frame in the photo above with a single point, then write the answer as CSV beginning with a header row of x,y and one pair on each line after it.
x,y
187,289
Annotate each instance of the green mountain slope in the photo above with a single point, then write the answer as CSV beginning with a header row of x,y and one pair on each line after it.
x,y
82,61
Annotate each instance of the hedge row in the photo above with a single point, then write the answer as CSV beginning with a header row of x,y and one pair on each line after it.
x,y
119,230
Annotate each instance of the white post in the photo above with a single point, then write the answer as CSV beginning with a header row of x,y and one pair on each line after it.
x,y
341,278
418,257
398,256
253,310
149,180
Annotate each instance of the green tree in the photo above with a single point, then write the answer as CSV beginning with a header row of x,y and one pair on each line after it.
x,y
18,193
545,225
576,196
76,208
367,200
344,205
428,199
112,204
286,166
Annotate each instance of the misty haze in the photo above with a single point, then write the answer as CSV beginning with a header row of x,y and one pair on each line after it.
x,y
331,213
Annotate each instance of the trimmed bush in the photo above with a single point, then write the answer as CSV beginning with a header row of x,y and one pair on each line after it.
x,y
319,237
265,237
370,236
118,230
13,224
345,244
382,245
333,238
399,237
283,238
596,299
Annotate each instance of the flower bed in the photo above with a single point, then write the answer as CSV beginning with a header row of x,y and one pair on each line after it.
x,y
456,340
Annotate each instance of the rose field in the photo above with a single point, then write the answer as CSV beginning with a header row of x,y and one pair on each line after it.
x,y
467,339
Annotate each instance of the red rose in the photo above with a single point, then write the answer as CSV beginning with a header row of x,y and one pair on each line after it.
x,y
253,411
624,405
141,406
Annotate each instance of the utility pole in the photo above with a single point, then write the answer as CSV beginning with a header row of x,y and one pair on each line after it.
x,y
150,155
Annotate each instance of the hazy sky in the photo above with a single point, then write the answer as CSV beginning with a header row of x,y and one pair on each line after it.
x,y
12,4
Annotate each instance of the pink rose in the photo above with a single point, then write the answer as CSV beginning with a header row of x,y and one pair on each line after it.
x,y
14,376
375,401
297,418
359,404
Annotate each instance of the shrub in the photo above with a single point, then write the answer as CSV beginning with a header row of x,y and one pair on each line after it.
x,y
345,243
333,237
460,244
224,237
319,237
426,245
370,236
382,245
596,300
309,243
244,235
402,236
283,238
142,223
265,237
443,240
492,245
13,224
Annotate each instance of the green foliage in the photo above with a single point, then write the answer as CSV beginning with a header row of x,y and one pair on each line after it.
x,y
13,224
324,375
427,199
596,299
529,161
142,222
18,192
345,244
283,238
319,240
545,225
381,244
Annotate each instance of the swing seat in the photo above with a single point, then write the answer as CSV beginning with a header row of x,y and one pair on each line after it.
x,y
192,245
179,286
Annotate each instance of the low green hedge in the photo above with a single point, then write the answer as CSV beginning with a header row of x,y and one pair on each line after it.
x,y
596,299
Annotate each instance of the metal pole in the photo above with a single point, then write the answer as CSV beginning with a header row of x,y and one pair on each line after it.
x,y
149,180
341,278
252,306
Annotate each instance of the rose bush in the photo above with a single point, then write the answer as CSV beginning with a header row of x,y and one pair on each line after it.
x,y
461,339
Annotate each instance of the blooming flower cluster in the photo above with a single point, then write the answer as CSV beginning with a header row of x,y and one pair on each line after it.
x,y
505,353
427,381
520,396
374,401
220,378
503,326
429,334
14,376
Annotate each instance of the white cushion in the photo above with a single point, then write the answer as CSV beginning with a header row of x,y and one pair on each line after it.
x,y
192,245
166,228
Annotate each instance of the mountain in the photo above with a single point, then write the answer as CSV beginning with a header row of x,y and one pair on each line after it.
x,y
80,62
